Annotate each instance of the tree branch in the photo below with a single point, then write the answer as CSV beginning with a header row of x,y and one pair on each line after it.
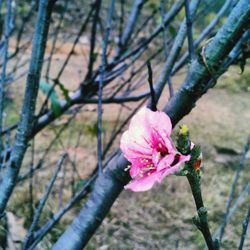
x,y
189,31
234,185
203,35
42,203
174,52
244,229
27,117
200,73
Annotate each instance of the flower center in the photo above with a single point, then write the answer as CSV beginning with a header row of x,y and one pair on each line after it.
x,y
163,151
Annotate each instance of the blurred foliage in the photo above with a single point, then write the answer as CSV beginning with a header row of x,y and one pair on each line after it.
x,y
236,81
50,92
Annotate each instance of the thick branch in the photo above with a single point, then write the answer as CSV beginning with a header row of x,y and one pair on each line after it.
x,y
203,35
203,70
107,188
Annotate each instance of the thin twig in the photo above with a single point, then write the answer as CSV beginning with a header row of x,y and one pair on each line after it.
x,y
121,21
189,31
92,57
62,15
131,23
102,76
244,229
165,45
82,29
174,52
85,189
7,30
244,194
202,36
42,203
152,92
234,185
201,222
31,208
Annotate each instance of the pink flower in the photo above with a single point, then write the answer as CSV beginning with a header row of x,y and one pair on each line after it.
x,y
150,150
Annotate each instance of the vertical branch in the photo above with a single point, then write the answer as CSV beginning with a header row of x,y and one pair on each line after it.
x,y
193,177
82,29
102,77
27,119
162,12
244,194
121,22
201,221
31,168
7,30
189,31
165,46
203,35
152,92
92,57
42,203
55,38
233,188
61,188
244,229
136,8
175,50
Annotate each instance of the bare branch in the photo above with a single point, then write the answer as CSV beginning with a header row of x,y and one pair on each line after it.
x,y
8,27
102,76
244,229
203,35
42,203
189,31
234,185
27,118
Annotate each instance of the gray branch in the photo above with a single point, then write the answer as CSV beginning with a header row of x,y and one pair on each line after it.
x,y
27,116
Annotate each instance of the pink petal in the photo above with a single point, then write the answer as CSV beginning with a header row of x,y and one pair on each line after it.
x,y
160,121
134,170
133,149
169,145
139,118
143,184
171,170
147,182
165,162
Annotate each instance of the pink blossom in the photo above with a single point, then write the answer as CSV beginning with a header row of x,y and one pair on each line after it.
x,y
150,150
